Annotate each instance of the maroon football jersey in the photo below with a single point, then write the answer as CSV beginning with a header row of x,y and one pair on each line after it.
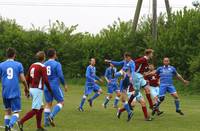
x,y
37,76
141,65
153,80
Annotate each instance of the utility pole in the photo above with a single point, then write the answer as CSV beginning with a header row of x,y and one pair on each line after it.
x,y
154,21
168,9
137,14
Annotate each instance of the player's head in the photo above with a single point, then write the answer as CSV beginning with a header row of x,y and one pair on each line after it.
x,y
149,53
127,56
51,54
111,65
41,56
151,67
92,61
11,53
166,61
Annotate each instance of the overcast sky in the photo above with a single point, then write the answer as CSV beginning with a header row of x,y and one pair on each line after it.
x,y
90,15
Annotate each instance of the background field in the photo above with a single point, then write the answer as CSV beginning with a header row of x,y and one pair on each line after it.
x,y
99,119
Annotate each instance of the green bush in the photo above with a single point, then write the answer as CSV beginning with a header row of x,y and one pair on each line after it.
x,y
178,39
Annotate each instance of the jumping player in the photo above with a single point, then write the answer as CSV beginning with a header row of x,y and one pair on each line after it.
x,y
112,85
127,72
55,77
166,73
141,68
91,84
11,72
36,78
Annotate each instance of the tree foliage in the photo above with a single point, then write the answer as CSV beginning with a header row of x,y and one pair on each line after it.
x,y
178,39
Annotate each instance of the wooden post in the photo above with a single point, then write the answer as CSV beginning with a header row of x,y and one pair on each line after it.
x,y
154,21
137,14
168,9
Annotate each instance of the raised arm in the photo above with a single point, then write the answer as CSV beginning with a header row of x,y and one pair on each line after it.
x,y
115,63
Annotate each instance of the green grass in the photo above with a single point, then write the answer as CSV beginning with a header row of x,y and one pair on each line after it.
x,y
99,119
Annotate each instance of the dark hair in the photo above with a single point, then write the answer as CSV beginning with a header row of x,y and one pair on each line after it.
x,y
51,53
10,52
148,51
127,54
40,56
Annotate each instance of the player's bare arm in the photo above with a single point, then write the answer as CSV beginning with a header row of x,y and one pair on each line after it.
x,y
65,87
26,88
149,73
182,79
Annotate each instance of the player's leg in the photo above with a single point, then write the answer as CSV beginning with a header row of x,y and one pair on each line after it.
x,y
131,96
155,94
59,97
97,91
162,92
107,99
39,118
126,105
133,102
172,91
109,96
15,108
7,117
8,112
142,102
148,94
47,111
118,94
86,93
37,96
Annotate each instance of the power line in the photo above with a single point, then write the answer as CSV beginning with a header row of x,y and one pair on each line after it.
x,y
73,5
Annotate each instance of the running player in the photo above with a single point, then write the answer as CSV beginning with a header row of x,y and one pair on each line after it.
x,y
112,85
166,73
91,85
55,77
36,78
10,73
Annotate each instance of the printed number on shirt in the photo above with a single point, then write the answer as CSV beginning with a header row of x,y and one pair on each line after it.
x,y
32,72
48,70
10,73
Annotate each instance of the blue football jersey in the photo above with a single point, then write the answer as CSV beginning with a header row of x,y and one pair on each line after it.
x,y
123,63
10,71
166,74
54,72
110,73
131,67
91,74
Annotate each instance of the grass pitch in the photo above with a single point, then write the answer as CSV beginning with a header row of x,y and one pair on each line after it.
x,y
99,119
